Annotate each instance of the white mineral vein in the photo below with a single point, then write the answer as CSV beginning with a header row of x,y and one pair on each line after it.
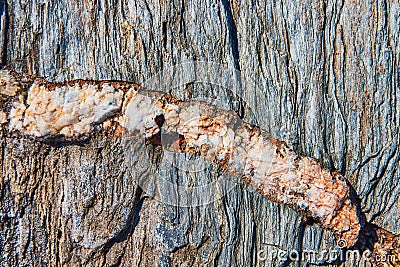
x,y
72,109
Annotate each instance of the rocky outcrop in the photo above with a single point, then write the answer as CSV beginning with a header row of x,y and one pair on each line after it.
x,y
328,87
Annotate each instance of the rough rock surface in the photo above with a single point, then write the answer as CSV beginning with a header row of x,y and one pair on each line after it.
x,y
328,70
71,110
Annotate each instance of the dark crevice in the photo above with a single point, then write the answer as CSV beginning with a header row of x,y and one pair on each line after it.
x,y
159,120
182,26
4,15
234,45
233,38
367,235
253,238
164,34
132,222
300,238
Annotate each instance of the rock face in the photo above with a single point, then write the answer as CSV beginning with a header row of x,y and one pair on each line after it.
x,y
329,87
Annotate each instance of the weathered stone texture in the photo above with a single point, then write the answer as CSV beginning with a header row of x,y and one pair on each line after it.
x,y
330,80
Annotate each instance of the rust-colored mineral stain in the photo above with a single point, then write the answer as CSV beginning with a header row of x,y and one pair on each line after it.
x,y
386,251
